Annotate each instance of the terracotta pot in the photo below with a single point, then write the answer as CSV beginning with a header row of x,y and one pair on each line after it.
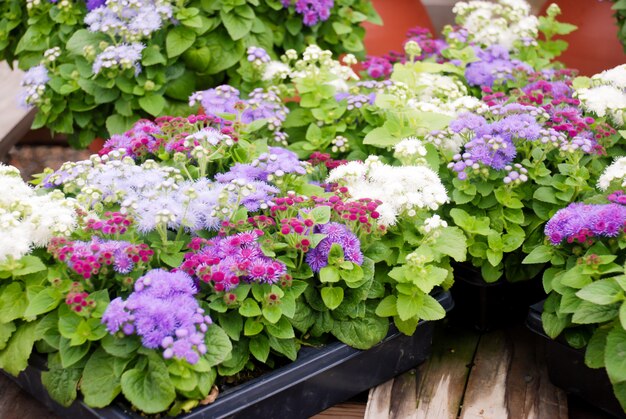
x,y
594,46
398,17
96,145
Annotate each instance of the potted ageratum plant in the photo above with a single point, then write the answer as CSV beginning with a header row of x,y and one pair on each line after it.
x,y
96,67
584,308
190,257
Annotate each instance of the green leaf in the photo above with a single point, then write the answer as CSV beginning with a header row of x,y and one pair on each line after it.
x,y
60,382
29,264
329,274
539,254
240,355
387,307
232,324
332,296
282,329
101,379
6,330
545,194
272,313
46,300
408,305
81,38
252,327
553,325
149,390
152,55
361,333
594,355
218,345
153,104
590,313
249,308
120,347
615,355
286,347
70,355
239,22
13,302
179,39
452,242
430,309
14,358
260,347
603,292
321,214
408,326
380,137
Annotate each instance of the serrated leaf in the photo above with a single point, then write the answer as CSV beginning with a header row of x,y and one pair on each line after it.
x,y
150,390
332,296
101,379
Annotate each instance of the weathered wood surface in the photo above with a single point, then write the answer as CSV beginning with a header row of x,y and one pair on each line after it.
x,y
15,120
17,404
497,375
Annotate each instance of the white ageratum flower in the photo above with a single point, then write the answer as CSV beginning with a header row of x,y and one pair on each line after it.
x,y
410,151
433,223
29,219
403,190
500,22
615,172
276,70
615,76
606,100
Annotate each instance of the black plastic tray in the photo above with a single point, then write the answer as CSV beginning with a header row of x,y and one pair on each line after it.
x,y
567,369
318,379
487,306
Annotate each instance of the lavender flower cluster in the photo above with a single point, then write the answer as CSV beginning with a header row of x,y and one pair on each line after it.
x,y
126,23
312,11
494,67
163,311
261,104
582,222
268,167
226,261
34,83
317,258
493,138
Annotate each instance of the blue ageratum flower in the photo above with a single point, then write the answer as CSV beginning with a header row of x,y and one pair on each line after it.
x,y
317,258
164,313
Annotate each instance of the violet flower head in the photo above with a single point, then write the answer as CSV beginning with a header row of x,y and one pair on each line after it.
x,y
377,67
317,258
313,11
494,67
94,4
164,313
582,222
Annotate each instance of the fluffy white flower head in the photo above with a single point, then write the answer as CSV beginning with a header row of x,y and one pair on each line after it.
x,y
616,172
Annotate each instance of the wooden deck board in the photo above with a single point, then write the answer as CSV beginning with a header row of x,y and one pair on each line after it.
x,y
15,121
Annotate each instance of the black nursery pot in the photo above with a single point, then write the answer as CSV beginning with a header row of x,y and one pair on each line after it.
x,y
318,379
487,306
567,369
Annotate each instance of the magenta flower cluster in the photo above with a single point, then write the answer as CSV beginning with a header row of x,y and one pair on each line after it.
x,y
89,258
163,311
579,222
225,261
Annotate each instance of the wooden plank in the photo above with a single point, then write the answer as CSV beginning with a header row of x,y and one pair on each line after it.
x,y
530,394
348,410
485,396
379,401
15,121
509,380
436,389
17,404
442,383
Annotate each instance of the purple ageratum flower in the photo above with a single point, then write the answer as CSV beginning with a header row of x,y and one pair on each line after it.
x,y
258,55
312,11
221,99
494,66
467,121
276,163
581,222
264,104
94,4
123,57
163,311
317,258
